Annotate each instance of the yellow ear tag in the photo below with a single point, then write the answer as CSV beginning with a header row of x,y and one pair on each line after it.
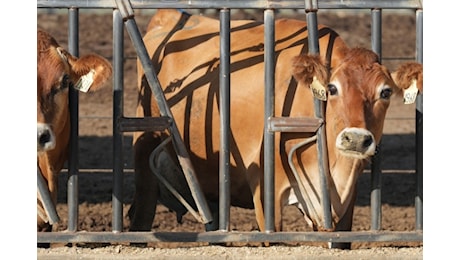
x,y
410,94
319,91
85,82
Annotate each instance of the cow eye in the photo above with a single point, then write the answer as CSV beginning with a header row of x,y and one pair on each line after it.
x,y
386,93
65,82
332,89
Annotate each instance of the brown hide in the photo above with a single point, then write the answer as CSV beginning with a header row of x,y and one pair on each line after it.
x,y
185,53
56,71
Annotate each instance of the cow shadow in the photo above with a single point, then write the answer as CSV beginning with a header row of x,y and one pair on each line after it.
x,y
95,179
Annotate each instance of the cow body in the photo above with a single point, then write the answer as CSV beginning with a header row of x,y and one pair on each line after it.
x,y
185,54
57,70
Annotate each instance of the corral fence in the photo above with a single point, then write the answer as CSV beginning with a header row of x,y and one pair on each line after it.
x,y
123,16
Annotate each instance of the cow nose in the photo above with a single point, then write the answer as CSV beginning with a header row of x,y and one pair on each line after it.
x,y
45,137
356,142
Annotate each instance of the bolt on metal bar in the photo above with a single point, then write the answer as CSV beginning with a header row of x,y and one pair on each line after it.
x,y
224,108
118,56
311,7
376,171
73,162
269,108
419,128
181,150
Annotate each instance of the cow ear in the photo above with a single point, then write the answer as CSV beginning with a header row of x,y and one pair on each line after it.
x,y
309,70
91,71
409,80
306,67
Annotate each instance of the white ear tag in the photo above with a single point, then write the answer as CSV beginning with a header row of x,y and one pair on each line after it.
x,y
410,94
319,91
85,81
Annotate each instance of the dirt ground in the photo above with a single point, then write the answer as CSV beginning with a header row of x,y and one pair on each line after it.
x,y
95,159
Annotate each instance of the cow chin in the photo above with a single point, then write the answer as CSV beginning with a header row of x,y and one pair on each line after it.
x,y
357,155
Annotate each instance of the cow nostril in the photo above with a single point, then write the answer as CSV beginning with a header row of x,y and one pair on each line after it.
x,y
346,139
368,140
45,137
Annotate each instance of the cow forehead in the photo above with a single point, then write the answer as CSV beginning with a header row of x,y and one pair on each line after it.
x,y
361,71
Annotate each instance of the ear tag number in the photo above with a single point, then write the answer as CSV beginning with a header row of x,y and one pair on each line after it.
x,y
85,82
319,91
410,94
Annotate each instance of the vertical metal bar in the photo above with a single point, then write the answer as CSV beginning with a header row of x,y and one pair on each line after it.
x,y
73,162
269,137
419,128
118,58
320,107
181,151
376,171
224,100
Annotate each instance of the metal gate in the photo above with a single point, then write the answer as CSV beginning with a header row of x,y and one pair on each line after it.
x,y
123,16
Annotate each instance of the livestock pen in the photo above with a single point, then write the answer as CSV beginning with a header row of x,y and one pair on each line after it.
x,y
123,16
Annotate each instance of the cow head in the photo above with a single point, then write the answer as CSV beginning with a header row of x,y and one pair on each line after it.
x,y
357,91
57,70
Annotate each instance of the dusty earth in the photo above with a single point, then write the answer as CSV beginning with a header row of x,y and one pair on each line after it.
x,y
95,159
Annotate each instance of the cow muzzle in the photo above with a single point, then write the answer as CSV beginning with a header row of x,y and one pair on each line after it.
x,y
45,138
356,142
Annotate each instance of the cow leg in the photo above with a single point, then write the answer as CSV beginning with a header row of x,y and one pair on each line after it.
x,y
259,208
142,210
345,224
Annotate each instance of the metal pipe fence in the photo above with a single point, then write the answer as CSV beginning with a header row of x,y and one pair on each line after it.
x,y
123,16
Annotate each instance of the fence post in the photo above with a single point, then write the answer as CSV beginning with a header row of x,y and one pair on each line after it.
x,y
73,162
118,58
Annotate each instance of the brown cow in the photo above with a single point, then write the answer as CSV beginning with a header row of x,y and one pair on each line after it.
x,y
185,53
56,71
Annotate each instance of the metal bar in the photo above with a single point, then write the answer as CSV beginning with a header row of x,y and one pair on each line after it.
x,y
181,151
254,4
419,128
269,108
225,237
294,124
320,107
224,108
117,193
376,171
73,162
45,198
133,124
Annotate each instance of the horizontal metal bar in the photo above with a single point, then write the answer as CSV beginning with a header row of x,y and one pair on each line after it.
x,y
133,124
254,4
224,237
294,124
